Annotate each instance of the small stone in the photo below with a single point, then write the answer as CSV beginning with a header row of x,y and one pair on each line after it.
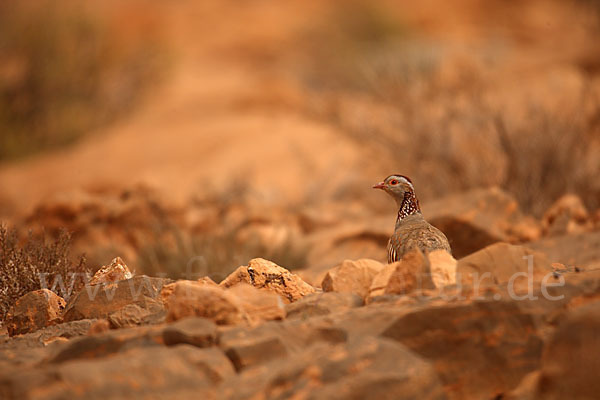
x,y
380,282
443,268
266,275
33,311
116,271
352,277
199,332
192,299
149,372
102,300
412,273
260,305
134,315
251,351
322,304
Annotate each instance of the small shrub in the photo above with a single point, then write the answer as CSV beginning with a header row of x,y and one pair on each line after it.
x,y
34,264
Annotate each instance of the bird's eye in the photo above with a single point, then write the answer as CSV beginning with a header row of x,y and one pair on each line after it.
x,y
393,182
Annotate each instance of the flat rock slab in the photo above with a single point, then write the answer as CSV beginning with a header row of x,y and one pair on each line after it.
x,y
199,332
102,300
181,371
367,368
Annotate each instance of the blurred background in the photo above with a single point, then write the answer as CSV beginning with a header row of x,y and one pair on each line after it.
x,y
216,131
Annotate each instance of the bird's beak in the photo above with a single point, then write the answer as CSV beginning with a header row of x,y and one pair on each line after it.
x,y
380,185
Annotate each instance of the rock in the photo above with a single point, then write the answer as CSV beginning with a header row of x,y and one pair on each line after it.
x,y
352,277
181,371
107,344
570,361
503,263
475,219
322,304
33,311
67,330
442,267
98,327
102,300
266,275
567,215
199,332
167,289
114,272
21,357
166,292
497,336
192,299
22,350
500,335
367,368
205,280
250,347
134,315
557,298
249,351
380,282
259,305
412,273
391,370
573,250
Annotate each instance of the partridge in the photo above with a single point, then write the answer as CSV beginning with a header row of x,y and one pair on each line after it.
x,y
412,230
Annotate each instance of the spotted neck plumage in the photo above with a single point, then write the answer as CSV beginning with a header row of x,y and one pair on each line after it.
x,y
409,206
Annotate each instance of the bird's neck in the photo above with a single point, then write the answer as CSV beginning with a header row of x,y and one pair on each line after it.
x,y
408,206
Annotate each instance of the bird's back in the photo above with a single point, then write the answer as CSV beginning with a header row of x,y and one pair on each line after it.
x,y
413,232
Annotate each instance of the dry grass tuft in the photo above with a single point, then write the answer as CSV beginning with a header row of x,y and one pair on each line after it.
x,y
180,255
25,267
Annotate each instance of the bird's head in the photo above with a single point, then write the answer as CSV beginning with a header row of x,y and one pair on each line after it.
x,y
396,186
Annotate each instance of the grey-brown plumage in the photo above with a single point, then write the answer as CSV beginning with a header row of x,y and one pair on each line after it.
x,y
411,230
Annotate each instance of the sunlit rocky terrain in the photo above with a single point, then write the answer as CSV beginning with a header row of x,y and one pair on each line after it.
x,y
187,211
